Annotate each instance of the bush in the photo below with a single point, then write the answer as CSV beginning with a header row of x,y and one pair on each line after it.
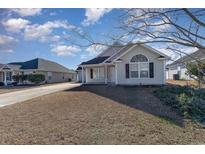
x,y
1,84
36,78
197,109
18,78
189,101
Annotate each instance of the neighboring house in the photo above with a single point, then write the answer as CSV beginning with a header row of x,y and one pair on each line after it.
x,y
53,72
125,65
177,69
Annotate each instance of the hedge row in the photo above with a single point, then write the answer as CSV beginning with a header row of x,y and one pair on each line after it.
x,y
35,78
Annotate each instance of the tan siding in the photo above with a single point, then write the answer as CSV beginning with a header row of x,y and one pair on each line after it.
x,y
58,77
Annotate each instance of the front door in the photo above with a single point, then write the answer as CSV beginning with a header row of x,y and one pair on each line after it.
x,y
111,74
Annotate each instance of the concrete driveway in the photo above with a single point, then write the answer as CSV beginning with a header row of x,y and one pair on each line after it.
x,y
23,95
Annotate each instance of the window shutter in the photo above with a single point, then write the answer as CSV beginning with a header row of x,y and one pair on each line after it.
x,y
151,70
127,70
91,73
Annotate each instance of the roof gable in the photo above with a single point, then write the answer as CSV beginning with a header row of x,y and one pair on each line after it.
x,y
199,54
113,53
131,46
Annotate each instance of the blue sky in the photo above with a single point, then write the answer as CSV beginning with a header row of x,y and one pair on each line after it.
x,y
29,33
48,33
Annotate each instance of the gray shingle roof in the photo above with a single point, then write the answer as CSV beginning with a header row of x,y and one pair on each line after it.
x,y
199,54
96,60
121,51
41,64
1,65
114,52
110,51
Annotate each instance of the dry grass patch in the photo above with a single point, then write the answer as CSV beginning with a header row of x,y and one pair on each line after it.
x,y
96,115
191,83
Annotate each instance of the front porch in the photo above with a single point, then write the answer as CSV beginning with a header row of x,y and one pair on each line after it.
x,y
99,74
6,77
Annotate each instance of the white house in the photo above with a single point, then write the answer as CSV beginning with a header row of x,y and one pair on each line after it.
x,y
177,69
133,64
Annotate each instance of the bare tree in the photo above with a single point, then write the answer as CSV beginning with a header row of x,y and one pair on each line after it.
x,y
174,28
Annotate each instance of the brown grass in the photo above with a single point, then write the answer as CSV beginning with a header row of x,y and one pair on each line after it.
x,y
96,115
183,83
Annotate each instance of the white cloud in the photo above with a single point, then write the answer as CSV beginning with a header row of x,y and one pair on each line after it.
x,y
44,32
55,38
94,50
27,12
7,43
64,50
15,24
93,15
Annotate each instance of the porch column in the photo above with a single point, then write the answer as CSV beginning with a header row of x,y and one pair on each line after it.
x,y
116,73
86,75
106,74
82,75
5,83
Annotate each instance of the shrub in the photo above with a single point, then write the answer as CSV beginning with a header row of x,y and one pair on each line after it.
x,y
197,109
183,101
189,101
1,83
19,78
36,78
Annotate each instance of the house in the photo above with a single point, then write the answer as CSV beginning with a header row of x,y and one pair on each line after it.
x,y
177,69
132,64
53,71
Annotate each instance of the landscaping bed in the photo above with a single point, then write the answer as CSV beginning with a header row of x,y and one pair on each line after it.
x,y
188,101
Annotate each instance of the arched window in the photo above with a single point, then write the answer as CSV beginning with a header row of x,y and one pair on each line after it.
x,y
139,58
139,66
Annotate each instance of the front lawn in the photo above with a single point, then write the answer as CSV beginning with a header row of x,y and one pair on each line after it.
x,y
97,115
190,102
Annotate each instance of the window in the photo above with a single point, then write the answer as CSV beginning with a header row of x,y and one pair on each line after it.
x,y
101,73
8,76
49,75
144,70
98,73
134,70
95,73
139,67
138,58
